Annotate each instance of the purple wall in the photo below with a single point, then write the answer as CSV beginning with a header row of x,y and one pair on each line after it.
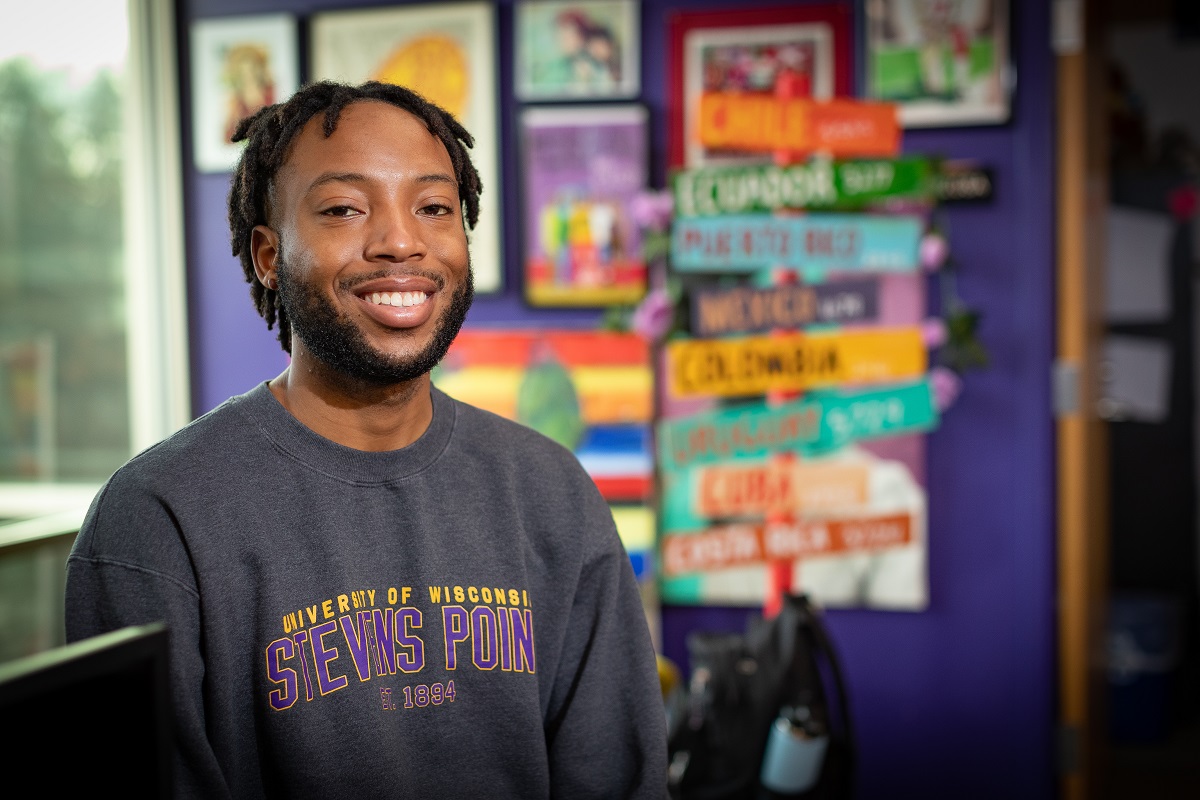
x,y
955,701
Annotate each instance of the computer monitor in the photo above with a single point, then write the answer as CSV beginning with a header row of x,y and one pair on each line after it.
x,y
91,715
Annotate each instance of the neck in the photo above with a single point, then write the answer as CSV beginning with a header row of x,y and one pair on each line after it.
x,y
353,413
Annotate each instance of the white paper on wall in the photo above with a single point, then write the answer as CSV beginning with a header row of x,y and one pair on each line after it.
x,y
1139,261
1138,379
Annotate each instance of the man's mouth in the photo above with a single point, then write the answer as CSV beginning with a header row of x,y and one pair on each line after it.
x,y
396,298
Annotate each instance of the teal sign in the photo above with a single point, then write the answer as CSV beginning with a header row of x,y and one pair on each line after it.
x,y
750,436
813,244
822,421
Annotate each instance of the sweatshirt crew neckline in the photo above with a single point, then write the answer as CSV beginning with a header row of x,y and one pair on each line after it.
x,y
344,463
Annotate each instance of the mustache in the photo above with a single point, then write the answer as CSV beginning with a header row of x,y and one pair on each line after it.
x,y
348,284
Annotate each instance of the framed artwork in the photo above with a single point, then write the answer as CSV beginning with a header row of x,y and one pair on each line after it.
x,y
239,65
944,64
577,50
806,47
445,52
583,166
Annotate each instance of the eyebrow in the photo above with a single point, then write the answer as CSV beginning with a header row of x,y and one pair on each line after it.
x,y
358,177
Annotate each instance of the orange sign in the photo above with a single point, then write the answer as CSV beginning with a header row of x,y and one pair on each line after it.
x,y
757,543
765,123
787,487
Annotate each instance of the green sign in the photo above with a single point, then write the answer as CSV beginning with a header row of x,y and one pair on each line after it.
x,y
819,183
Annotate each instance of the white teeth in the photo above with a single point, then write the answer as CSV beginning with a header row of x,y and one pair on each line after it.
x,y
397,298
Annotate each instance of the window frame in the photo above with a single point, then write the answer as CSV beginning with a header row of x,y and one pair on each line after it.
x,y
155,274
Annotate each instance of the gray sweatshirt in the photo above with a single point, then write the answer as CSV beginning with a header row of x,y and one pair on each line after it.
x,y
455,619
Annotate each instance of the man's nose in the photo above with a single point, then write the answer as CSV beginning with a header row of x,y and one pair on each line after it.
x,y
394,234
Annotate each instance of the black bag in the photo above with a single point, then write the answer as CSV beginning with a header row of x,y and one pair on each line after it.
x,y
740,685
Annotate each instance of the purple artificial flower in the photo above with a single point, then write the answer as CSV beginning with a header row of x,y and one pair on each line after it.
x,y
652,210
946,386
933,332
934,251
654,315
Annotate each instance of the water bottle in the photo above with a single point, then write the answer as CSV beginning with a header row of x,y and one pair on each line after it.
x,y
795,752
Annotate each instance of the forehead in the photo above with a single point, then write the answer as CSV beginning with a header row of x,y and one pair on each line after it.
x,y
372,138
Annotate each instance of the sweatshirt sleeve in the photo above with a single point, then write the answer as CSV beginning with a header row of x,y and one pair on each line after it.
x,y
606,727
129,566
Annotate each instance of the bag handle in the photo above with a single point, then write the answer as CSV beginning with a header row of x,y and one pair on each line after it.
x,y
811,626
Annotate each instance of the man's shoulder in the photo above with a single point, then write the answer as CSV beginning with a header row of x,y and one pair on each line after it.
x,y
485,431
209,437
475,420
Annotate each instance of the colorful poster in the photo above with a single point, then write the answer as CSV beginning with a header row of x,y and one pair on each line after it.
x,y
239,65
819,183
812,244
577,49
793,50
944,63
794,362
849,528
819,422
592,392
446,52
749,309
583,167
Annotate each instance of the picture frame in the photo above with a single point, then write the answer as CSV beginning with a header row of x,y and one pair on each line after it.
x,y
576,49
239,65
583,168
745,50
399,44
944,65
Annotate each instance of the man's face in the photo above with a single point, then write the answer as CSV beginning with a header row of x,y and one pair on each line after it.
x,y
370,251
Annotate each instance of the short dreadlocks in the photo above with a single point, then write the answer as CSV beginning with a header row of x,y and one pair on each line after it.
x,y
269,134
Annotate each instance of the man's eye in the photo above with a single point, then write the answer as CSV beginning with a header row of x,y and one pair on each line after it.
x,y
436,210
340,211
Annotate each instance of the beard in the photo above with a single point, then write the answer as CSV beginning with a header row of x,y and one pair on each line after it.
x,y
334,339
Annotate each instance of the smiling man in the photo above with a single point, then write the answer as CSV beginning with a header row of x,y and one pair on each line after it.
x,y
373,589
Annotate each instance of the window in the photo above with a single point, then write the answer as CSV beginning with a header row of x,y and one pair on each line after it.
x,y
92,346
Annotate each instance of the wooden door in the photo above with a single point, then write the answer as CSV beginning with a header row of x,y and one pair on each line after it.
x,y
1082,197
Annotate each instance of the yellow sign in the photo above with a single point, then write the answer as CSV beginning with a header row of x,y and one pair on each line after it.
x,y
794,362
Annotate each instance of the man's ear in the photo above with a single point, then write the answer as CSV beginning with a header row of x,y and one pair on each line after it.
x,y
264,252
